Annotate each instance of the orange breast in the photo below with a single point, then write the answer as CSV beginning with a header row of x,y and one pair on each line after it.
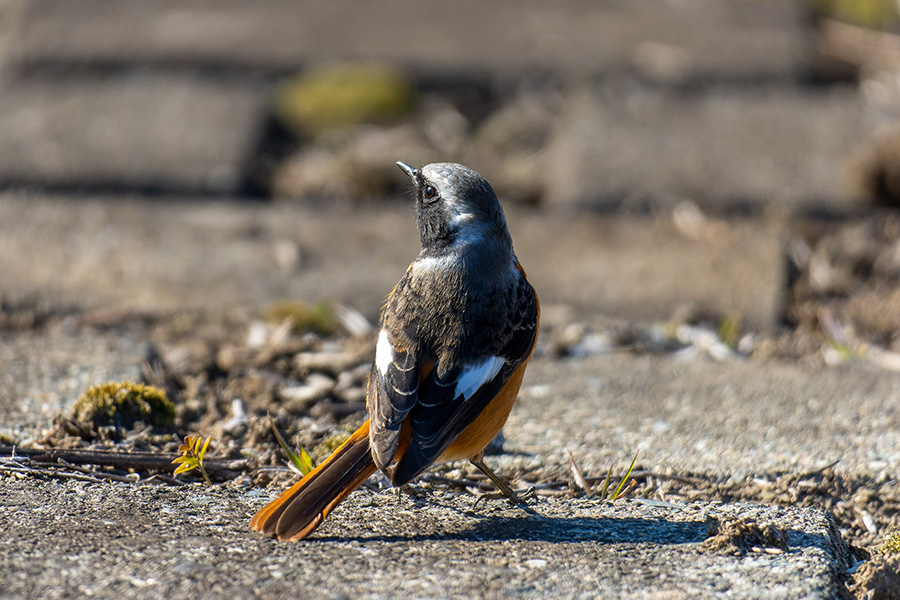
x,y
488,424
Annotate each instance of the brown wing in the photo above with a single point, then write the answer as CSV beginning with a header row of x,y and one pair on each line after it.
x,y
448,403
392,393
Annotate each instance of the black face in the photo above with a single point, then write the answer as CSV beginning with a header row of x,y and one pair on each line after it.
x,y
454,203
432,216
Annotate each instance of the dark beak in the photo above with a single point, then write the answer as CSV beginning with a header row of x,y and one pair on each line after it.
x,y
412,172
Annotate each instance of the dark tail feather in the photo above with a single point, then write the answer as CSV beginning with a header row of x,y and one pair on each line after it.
x,y
301,508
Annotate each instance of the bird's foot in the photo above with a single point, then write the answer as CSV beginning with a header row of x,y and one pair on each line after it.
x,y
514,498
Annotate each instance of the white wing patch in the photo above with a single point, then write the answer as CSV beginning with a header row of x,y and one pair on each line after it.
x,y
384,352
475,376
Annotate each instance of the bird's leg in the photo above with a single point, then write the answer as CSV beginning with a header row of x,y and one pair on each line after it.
x,y
508,492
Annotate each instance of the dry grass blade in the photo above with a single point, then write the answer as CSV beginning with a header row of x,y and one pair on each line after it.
x,y
130,478
580,481
730,330
462,484
60,471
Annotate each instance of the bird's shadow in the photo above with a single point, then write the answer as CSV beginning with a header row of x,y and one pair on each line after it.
x,y
555,529
605,530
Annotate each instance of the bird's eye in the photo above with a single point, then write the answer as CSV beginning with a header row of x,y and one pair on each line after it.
x,y
430,193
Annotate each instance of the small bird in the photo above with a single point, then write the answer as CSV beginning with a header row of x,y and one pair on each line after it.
x,y
454,338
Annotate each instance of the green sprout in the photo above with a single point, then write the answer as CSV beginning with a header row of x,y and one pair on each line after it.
x,y
192,451
620,489
730,330
302,463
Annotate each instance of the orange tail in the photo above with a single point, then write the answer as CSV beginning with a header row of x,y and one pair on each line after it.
x,y
301,508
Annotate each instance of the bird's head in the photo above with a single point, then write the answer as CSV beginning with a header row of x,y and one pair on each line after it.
x,y
455,207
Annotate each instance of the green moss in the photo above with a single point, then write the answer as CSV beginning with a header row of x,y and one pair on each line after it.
x,y
875,14
331,443
318,318
341,95
122,405
891,543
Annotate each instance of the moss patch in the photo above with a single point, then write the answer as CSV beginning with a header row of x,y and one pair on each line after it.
x,y
317,318
338,96
875,14
123,405
891,543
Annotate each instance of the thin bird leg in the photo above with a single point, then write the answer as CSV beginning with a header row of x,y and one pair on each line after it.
x,y
478,461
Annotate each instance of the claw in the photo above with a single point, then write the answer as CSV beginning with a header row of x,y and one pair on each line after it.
x,y
504,490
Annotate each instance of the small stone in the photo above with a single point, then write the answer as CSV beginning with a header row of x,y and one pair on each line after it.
x,y
299,397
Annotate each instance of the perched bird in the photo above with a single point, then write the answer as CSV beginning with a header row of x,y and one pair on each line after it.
x,y
455,336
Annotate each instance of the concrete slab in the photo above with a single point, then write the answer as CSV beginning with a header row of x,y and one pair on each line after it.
x,y
135,108
620,143
66,539
175,255
735,418
146,131
732,39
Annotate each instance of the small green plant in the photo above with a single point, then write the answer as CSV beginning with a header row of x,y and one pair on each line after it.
x,y
192,451
843,351
604,493
621,487
302,463
332,442
730,330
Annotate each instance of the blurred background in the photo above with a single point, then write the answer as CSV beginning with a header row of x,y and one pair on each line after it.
x,y
602,103
732,165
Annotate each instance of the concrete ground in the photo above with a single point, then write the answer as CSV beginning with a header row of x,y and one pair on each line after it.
x,y
152,542
735,420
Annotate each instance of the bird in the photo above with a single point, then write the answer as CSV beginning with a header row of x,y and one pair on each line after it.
x,y
454,338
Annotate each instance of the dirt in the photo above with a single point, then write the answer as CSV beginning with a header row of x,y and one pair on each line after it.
x,y
878,578
739,536
844,280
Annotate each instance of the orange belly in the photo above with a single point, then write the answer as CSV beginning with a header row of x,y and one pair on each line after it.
x,y
488,424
